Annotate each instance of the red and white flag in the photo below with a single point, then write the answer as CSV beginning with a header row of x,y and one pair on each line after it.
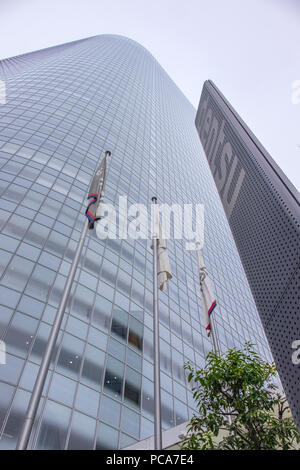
x,y
207,296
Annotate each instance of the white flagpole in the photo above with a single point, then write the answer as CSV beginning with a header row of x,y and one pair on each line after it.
x,y
157,395
44,367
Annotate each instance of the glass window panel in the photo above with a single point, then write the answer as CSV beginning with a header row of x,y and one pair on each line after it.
x,y
4,260
70,356
102,313
62,389
50,261
77,327
109,272
83,302
110,411
33,200
40,283
165,381
135,336
93,367
131,422
181,412
88,280
179,391
20,334
134,360
6,393
177,365
167,410
10,372
31,306
126,440
132,391
148,398
165,355
57,290
29,375
5,315
87,400
28,251
16,226
17,273
119,324
107,437
37,234
113,382
49,314
124,282
116,349
82,432
53,431
56,243
97,338
15,420
8,243
147,428
122,301
105,290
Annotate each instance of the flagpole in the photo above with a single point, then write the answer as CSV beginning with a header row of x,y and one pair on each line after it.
x,y
44,367
157,396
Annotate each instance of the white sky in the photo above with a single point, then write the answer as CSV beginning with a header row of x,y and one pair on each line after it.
x,y
249,48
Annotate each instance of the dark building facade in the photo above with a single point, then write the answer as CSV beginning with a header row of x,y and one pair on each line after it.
x,y
64,107
262,208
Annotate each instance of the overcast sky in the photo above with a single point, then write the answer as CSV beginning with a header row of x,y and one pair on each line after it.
x,y
249,48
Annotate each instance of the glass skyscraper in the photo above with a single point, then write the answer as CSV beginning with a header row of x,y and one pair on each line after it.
x,y
64,107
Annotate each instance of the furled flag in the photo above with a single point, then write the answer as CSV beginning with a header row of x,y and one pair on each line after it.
x,y
96,193
163,265
207,296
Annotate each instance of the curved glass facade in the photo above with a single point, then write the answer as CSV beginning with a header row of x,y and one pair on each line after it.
x,y
65,106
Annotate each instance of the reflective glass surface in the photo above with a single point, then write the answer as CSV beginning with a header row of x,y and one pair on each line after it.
x,y
65,106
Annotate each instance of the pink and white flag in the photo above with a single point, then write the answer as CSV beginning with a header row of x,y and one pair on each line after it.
x,y
207,296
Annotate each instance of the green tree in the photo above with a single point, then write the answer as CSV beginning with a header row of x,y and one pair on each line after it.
x,y
239,405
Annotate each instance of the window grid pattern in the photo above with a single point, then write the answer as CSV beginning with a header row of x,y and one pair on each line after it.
x,y
65,107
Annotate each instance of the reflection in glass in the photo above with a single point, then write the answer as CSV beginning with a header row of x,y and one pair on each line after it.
x,y
70,356
62,389
93,366
167,410
135,336
116,349
110,411
20,334
15,420
132,391
181,413
6,392
82,432
107,437
119,324
131,422
113,382
87,400
53,431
